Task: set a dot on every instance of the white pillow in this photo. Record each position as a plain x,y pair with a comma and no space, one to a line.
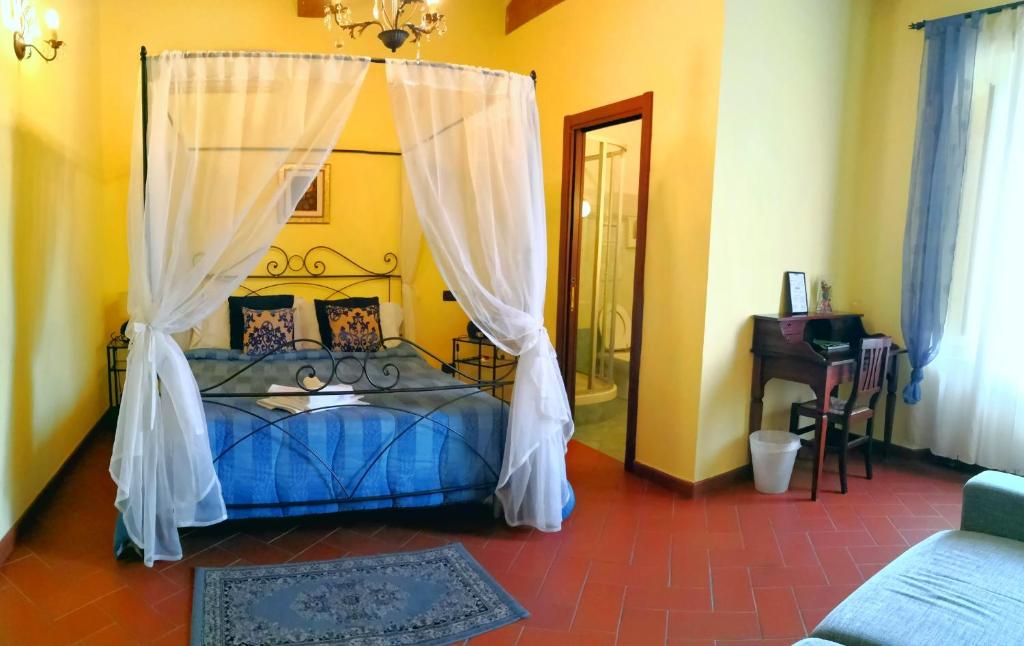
214,331
306,326
391,318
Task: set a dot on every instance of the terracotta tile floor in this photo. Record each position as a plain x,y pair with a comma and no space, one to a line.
635,564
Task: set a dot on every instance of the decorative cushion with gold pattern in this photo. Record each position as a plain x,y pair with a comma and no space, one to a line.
267,331
350,324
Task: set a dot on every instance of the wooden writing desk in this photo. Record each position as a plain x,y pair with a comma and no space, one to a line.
782,350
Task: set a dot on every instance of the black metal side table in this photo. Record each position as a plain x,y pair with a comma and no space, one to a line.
482,359
117,367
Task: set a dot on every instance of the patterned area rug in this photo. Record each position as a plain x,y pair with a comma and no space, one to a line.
435,596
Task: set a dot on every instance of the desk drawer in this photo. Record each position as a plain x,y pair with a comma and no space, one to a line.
793,330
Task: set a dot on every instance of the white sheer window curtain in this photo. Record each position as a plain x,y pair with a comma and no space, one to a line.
975,412
471,147
221,129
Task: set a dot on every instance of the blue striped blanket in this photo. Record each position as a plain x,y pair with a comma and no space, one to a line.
396,450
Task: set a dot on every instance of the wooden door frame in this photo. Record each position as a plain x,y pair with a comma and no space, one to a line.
640,108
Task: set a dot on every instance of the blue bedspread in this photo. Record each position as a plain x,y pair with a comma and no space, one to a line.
399,450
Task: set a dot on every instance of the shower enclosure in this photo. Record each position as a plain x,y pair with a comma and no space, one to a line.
600,327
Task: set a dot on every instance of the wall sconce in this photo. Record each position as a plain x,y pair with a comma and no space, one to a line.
20,17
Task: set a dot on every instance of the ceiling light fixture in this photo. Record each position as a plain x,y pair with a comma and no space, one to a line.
390,17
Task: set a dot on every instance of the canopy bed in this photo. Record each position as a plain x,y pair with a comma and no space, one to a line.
195,443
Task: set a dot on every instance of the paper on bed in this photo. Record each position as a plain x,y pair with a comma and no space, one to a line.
297,400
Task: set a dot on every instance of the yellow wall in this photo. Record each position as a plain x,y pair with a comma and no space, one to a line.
366,212
365,202
785,97
875,206
52,267
589,53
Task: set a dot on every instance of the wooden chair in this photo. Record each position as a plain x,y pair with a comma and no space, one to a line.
869,376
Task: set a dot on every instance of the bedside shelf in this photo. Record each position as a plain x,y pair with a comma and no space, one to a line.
486,363
117,368
483,360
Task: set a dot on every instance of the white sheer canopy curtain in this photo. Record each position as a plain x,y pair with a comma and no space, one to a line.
471,146
410,241
976,411
221,128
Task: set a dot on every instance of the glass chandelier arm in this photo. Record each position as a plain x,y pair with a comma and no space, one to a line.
405,3
356,29
417,31
391,21
402,6
336,13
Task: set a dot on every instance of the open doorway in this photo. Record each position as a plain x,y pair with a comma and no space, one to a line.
606,166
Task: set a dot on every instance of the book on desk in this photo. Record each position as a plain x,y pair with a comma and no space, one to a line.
828,346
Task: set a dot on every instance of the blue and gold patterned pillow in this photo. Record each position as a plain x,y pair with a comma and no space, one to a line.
350,324
235,304
267,331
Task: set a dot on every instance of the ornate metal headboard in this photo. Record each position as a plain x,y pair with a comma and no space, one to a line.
321,267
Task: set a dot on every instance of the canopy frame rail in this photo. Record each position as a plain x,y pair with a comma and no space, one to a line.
144,79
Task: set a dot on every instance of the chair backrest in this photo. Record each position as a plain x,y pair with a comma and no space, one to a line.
870,372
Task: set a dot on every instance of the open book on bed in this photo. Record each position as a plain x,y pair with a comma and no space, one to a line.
297,400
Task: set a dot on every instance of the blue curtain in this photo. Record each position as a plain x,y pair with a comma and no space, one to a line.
936,183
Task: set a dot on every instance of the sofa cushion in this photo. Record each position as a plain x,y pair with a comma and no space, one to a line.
955,587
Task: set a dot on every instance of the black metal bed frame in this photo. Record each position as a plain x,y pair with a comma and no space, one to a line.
311,269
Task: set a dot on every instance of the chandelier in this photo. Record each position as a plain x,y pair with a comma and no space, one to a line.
391,17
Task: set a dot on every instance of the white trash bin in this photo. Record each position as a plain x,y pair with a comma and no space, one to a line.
773,454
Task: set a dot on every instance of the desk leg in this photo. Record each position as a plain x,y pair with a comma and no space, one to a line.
891,383
821,424
820,441
756,396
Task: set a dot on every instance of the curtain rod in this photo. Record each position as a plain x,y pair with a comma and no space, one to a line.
375,60
996,9
350,151
143,56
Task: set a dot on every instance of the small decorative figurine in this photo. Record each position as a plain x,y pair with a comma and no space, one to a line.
824,297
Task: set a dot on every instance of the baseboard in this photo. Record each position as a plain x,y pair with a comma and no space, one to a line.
723,480
689,489
925,456
658,477
901,452
7,543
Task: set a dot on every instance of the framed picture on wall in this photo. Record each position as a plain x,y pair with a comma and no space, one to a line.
314,204
796,292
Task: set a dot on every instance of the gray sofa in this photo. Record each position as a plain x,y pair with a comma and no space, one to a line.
957,587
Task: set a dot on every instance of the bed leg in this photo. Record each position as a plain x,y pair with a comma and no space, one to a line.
496,508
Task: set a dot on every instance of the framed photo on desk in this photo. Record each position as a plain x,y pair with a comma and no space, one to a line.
796,293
